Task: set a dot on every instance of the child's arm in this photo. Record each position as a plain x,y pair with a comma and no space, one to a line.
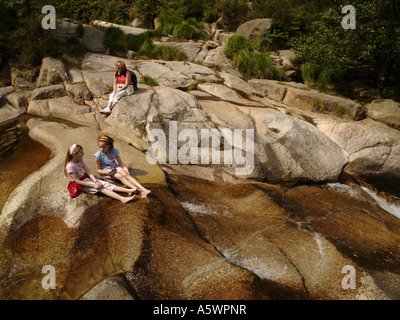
91,176
121,164
80,182
98,167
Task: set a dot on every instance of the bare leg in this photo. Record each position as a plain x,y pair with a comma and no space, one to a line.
136,183
131,182
128,191
116,196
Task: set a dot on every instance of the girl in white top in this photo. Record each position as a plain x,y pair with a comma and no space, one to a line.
75,169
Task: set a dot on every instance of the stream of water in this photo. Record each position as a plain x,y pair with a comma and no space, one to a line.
391,208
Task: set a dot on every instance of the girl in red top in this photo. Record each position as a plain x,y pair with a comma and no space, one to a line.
123,85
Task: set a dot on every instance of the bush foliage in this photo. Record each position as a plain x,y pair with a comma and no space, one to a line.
252,63
328,54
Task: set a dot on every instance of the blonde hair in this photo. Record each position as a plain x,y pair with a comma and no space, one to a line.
121,65
70,155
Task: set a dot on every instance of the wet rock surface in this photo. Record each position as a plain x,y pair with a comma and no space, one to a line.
205,232
20,156
298,240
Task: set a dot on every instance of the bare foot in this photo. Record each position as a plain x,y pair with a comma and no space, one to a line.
145,191
133,191
127,199
143,194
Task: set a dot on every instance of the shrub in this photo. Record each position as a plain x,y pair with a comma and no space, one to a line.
149,81
30,54
75,47
316,74
310,72
146,48
329,76
210,15
193,22
79,31
8,19
279,74
320,106
168,53
254,65
135,41
168,21
156,33
234,13
187,31
114,40
235,44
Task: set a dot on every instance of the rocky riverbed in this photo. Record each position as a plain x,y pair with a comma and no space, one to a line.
305,223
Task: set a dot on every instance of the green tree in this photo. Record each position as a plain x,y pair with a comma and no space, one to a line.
374,45
233,12
148,11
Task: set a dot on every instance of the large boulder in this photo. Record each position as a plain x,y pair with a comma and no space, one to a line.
301,96
312,100
64,108
257,28
287,57
216,58
290,150
98,72
129,118
225,114
79,92
385,110
49,92
125,29
227,94
8,112
164,75
52,71
92,37
194,71
18,100
373,149
283,148
113,288
240,85
23,79
190,49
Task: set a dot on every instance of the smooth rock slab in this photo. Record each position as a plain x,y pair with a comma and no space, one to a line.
290,150
298,241
385,110
373,148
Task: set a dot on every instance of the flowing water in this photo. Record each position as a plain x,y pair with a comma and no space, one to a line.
391,208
